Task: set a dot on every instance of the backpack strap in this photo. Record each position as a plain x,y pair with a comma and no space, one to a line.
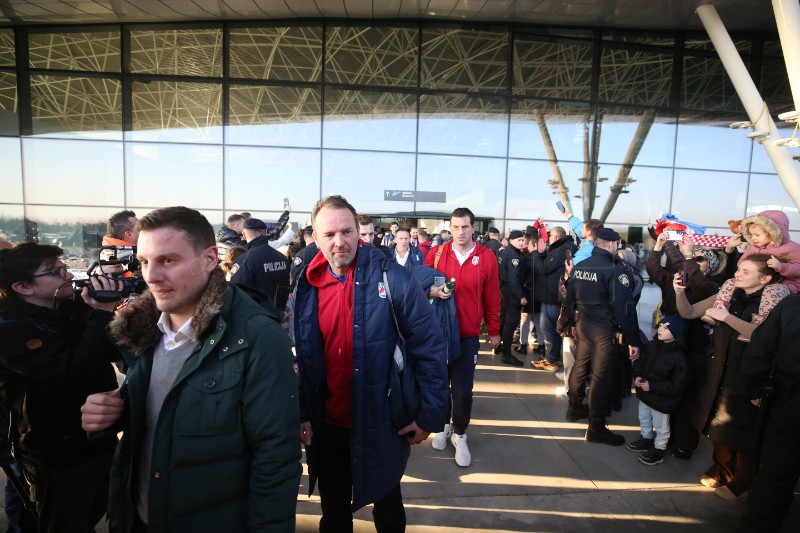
439,251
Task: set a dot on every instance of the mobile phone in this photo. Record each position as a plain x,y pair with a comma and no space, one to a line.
560,206
683,273
674,235
568,254
285,203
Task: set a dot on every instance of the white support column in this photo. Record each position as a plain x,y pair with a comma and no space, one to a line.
787,15
752,100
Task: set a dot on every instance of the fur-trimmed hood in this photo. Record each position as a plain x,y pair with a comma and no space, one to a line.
135,327
775,223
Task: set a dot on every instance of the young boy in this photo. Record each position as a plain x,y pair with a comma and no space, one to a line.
661,375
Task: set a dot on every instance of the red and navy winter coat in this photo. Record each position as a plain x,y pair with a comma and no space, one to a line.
378,454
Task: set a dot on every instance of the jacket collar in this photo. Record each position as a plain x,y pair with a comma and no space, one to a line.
135,326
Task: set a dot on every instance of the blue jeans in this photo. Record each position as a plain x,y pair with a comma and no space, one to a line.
547,331
654,425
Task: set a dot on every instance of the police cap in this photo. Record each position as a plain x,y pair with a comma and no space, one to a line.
254,224
607,234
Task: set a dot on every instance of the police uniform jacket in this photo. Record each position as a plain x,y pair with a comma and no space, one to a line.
265,269
494,245
601,291
549,267
301,261
511,267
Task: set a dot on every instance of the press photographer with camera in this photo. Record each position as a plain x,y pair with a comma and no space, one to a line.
55,352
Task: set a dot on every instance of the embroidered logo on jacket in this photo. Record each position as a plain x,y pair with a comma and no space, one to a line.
381,290
475,260
624,280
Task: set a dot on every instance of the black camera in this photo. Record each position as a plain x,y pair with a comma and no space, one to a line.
119,264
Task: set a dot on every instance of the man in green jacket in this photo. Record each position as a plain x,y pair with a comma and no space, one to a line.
209,407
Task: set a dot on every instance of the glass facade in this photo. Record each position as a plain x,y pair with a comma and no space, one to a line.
231,117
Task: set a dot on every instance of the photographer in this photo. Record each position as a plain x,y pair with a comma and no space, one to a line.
55,352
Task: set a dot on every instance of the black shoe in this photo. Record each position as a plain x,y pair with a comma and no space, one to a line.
652,457
540,349
600,434
641,445
522,348
678,453
576,411
511,360
499,349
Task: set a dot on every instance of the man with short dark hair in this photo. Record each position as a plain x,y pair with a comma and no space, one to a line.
263,267
346,337
366,232
121,229
600,291
585,232
231,233
209,408
389,237
493,242
477,294
403,253
54,353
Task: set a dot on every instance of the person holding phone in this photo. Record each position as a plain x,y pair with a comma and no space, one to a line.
550,265
585,232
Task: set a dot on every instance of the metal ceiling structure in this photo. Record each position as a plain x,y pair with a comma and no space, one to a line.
740,15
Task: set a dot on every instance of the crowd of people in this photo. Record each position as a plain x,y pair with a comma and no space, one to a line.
252,343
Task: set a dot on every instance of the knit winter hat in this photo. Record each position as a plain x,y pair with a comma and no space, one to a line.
676,325
711,257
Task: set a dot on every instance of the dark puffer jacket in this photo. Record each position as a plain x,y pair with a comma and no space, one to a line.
549,267
50,361
665,367
379,454
226,454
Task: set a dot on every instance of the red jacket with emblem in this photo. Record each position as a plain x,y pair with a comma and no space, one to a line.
477,290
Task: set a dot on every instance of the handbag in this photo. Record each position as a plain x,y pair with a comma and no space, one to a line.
402,391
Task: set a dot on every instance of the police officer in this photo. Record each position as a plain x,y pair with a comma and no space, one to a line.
304,256
493,241
600,291
511,266
263,267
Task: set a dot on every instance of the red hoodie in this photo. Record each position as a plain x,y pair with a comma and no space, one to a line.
477,290
335,313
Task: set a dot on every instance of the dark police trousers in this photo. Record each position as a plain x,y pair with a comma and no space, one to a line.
595,357
510,313
335,482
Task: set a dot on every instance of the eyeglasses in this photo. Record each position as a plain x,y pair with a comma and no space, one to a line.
61,272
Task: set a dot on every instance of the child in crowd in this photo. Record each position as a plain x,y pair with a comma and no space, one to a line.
661,376
767,233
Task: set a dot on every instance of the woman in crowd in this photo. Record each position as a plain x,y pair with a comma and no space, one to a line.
723,409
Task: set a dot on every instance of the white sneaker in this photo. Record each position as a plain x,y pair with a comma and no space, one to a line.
463,458
439,441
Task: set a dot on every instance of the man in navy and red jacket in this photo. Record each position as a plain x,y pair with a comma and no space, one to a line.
345,343
477,294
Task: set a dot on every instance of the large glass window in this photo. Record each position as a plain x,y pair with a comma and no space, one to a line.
160,175
362,178
64,106
176,112
12,223
372,56
177,52
633,76
534,187
761,161
274,116
7,52
550,130
9,119
640,136
474,182
706,141
464,60
463,124
258,179
767,193
630,196
11,176
77,230
73,172
709,198
370,120
276,53
707,86
553,69
94,50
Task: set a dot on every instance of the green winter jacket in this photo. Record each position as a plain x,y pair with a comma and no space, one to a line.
226,453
